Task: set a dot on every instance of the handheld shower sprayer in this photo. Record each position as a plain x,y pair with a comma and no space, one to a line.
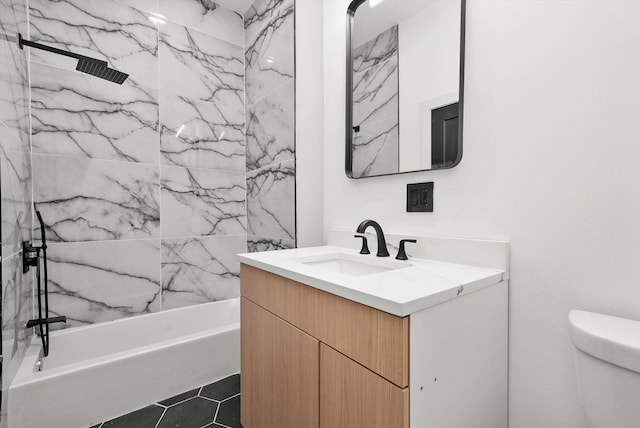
31,257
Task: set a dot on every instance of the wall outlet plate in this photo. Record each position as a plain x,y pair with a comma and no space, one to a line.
420,197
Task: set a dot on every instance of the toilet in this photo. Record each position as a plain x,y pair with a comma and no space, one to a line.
607,361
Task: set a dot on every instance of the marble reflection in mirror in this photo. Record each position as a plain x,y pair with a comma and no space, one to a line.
404,110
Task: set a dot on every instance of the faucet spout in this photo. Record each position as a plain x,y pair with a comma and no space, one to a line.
382,243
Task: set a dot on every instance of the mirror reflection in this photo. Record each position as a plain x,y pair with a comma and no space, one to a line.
404,112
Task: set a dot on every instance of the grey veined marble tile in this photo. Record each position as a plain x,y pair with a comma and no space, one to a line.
375,93
261,243
17,292
92,282
14,105
197,66
375,148
271,128
77,115
13,15
123,36
200,202
200,270
271,201
269,46
151,6
207,17
91,200
15,185
263,13
376,51
14,73
201,134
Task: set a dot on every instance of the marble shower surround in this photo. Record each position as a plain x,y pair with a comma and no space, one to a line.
209,135
78,115
201,202
190,265
15,191
270,121
114,32
115,279
141,185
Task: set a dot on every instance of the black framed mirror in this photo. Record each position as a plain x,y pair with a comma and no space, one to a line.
405,86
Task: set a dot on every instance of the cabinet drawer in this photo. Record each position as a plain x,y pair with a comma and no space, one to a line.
373,338
352,396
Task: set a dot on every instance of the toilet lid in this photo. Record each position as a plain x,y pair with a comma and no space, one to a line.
612,339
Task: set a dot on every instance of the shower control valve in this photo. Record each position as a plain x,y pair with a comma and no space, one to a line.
30,256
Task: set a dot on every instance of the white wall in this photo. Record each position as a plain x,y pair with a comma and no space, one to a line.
309,124
551,163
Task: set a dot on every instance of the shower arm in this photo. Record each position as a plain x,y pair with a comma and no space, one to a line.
23,42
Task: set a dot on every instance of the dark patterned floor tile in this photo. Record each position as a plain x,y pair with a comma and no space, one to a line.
223,389
229,413
146,417
180,397
193,413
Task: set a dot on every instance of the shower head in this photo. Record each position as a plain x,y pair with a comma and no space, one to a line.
92,66
99,69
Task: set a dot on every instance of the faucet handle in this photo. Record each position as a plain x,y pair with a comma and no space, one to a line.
365,248
402,255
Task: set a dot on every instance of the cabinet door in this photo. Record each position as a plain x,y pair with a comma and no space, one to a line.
279,374
352,396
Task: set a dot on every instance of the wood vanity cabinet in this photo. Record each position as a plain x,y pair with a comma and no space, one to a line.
313,359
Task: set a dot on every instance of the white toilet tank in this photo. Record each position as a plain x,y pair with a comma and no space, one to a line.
607,362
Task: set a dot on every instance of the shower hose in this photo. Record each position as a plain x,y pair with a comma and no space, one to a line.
34,260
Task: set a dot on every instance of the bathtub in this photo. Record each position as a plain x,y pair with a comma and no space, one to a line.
99,372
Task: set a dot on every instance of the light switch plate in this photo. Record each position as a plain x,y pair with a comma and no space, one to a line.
420,197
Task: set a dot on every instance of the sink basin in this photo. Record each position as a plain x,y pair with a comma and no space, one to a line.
351,264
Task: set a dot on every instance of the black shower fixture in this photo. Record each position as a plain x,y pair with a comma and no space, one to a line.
92,66
31,257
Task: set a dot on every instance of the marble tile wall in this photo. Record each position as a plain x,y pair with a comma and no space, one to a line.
149,189
142,186
15,189
375,105
270,124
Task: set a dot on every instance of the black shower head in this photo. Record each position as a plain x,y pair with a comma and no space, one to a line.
92,66
100,69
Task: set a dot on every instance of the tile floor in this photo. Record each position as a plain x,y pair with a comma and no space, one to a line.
216,405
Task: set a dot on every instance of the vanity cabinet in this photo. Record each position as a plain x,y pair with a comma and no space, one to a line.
313,359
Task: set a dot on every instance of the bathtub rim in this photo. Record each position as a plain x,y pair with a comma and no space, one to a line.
27,374
66,331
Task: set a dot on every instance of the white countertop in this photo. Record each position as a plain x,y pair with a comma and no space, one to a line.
420,285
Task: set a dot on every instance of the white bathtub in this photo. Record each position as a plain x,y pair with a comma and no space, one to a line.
96,373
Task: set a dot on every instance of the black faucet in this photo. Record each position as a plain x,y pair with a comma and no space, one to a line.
382,244
402,254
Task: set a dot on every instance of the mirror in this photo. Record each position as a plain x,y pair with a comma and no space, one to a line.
405,69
